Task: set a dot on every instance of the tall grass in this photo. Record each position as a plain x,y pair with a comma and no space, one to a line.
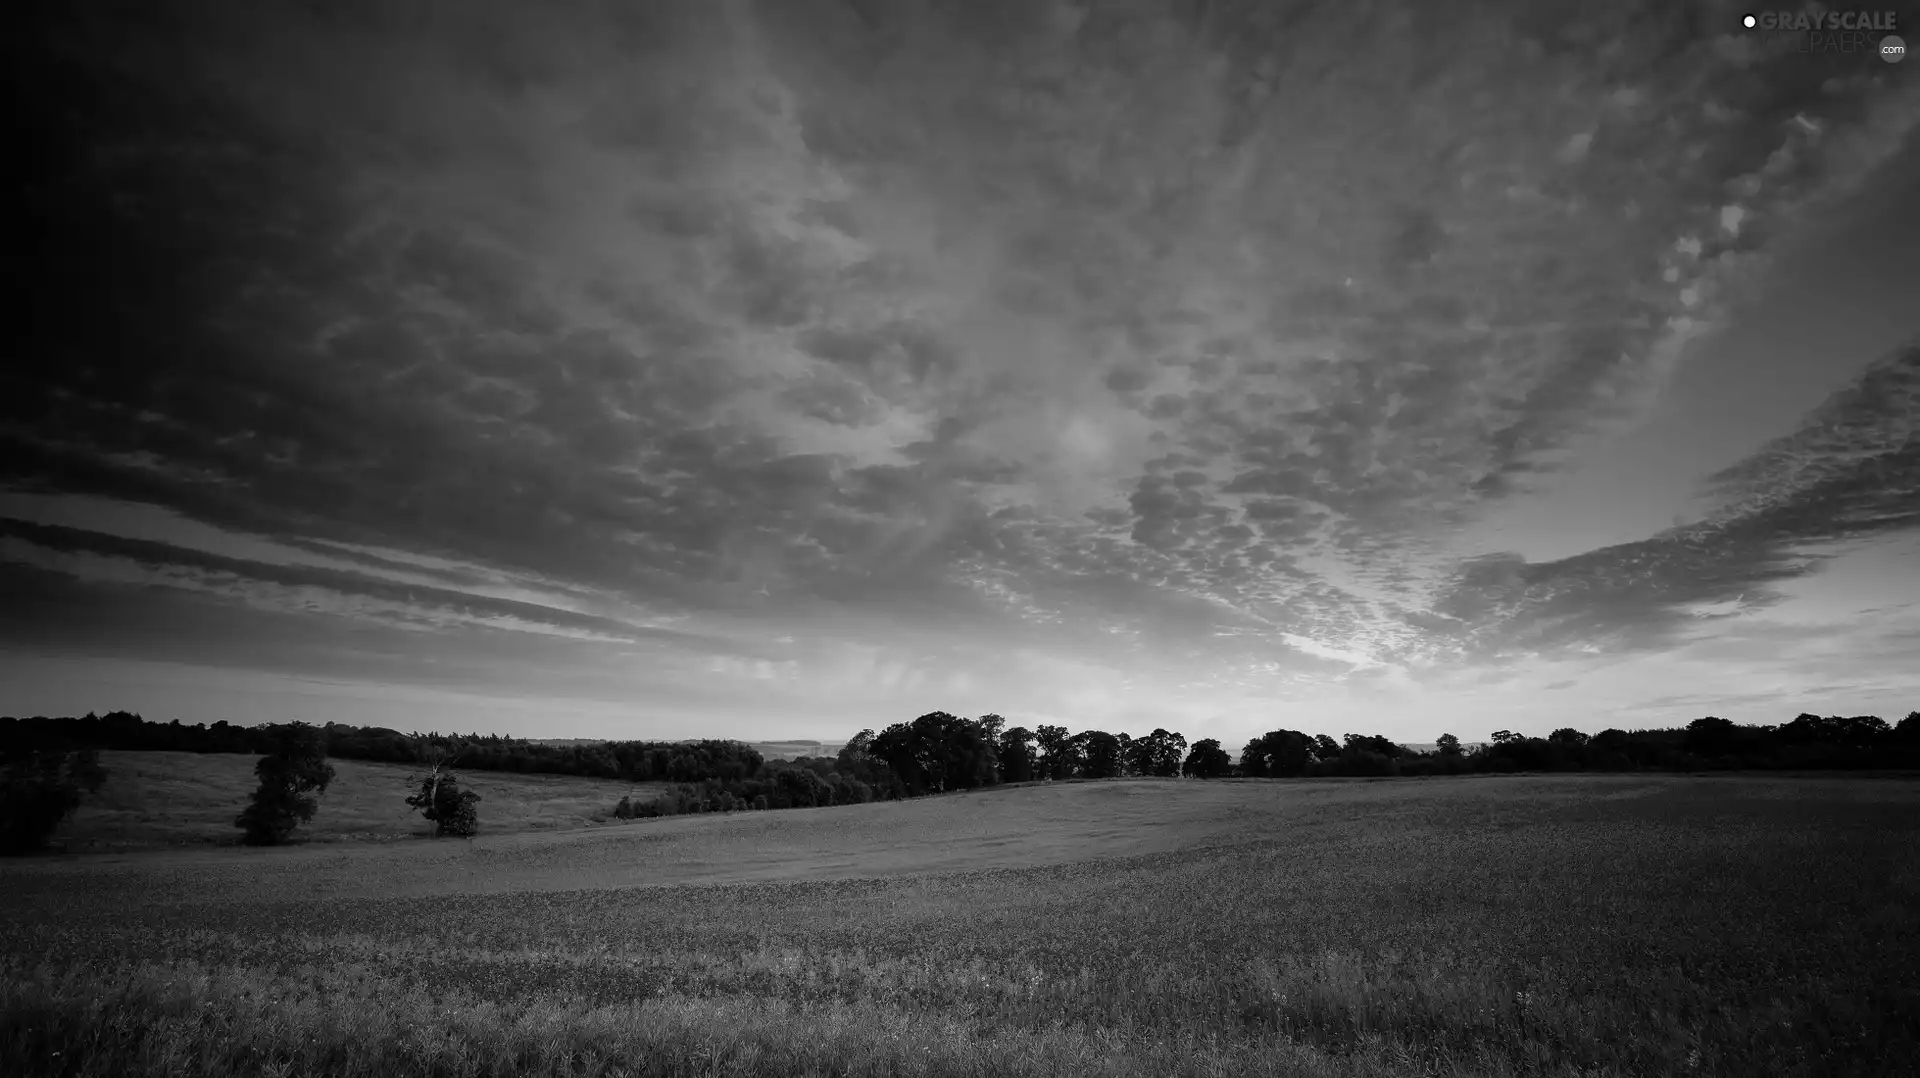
1693,931
188,1019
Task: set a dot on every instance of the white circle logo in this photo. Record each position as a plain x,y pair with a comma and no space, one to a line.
1892,49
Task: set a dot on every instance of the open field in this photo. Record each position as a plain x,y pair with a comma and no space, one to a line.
1566,925
155,799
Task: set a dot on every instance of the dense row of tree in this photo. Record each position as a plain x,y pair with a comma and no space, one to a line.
941,752
47,761
935,753
626,761
1809,742
1711,743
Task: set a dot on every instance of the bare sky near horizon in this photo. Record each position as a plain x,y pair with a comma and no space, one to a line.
774,370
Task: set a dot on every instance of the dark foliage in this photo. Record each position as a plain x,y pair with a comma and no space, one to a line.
1207,760
990,728
1279,752
1809,742
1374,743
1018,761
441,800
294,767
39,789
1099,754
940,752
627,761
857,763
1367,762
1158,753
451,809
1325,749
1059,756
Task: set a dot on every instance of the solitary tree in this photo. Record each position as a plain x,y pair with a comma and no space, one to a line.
295,765
1449,745
39,790
441,800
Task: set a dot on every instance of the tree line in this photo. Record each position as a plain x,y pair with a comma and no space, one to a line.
1808,742
940,752
626,761
937,753
43,781
47,764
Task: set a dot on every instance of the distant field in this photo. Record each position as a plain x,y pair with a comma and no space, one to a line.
183,798
769,750
1571,926
787,750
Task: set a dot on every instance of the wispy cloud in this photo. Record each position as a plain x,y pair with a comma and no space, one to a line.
1851,472
296,587
1167,347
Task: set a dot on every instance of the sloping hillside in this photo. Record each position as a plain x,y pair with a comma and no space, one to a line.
175,798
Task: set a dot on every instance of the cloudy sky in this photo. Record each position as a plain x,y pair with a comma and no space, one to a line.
721,368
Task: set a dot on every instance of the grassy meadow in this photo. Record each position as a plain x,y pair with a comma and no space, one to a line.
155,799
1576,925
